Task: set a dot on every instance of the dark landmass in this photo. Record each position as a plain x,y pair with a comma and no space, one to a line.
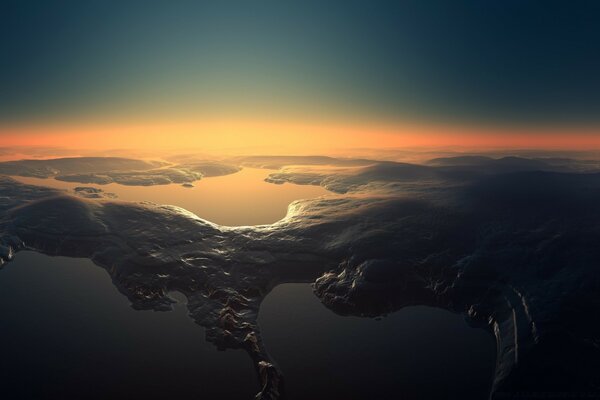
81,165
516,164
514,251
276,162
93,193
124,171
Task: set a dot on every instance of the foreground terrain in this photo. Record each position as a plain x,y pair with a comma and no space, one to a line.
511,243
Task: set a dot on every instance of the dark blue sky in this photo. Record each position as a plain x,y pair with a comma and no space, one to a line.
499,61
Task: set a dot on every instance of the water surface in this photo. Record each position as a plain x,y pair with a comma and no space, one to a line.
417,353
67,333
243,198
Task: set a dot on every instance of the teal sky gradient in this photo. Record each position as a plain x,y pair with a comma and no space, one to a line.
495,61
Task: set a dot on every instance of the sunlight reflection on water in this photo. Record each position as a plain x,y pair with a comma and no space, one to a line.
243,198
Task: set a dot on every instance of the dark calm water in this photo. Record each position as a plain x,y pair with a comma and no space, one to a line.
67,333
418,353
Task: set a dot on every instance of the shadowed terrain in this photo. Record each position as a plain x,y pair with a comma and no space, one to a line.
510,243
124,171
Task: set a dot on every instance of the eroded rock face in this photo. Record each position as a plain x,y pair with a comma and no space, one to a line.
517,252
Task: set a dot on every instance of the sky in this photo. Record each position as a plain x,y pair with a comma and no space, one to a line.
300,76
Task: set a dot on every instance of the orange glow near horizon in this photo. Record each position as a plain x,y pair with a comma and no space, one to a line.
246,136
